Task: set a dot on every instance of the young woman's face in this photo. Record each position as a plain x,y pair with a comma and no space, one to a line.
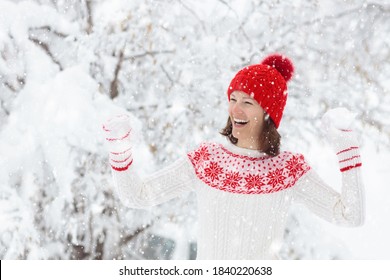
247,118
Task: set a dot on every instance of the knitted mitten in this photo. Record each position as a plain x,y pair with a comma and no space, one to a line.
118,135
336,124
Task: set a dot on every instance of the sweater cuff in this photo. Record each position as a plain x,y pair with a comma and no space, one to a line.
121,161
349,158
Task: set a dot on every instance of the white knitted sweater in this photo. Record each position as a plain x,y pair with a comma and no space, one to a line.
244,196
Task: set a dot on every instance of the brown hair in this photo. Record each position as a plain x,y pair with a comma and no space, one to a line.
269,138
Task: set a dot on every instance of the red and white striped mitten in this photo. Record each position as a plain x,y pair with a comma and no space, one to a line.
337,124
118,136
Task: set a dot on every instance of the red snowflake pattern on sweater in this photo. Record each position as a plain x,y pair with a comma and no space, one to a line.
222,169
294,165
201,154
232,179
276,177
254,181
213,171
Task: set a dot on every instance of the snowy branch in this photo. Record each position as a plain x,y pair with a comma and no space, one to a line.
128,238
194,14
114,84
33,36
89,16
46,48
147,53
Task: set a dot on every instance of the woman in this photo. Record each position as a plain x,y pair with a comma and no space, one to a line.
246,186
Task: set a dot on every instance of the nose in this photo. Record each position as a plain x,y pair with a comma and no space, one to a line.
237,108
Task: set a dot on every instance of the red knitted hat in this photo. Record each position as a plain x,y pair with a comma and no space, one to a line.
266,83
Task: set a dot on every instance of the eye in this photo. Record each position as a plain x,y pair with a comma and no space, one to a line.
233,99
249,103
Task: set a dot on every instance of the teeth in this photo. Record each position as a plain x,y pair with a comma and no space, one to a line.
240,121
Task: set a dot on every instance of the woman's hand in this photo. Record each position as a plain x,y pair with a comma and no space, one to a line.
118,133
337,127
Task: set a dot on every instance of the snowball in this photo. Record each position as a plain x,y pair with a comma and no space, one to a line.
340,118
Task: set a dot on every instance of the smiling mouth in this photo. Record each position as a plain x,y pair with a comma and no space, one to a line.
239,122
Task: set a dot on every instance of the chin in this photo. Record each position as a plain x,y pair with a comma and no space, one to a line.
235,135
